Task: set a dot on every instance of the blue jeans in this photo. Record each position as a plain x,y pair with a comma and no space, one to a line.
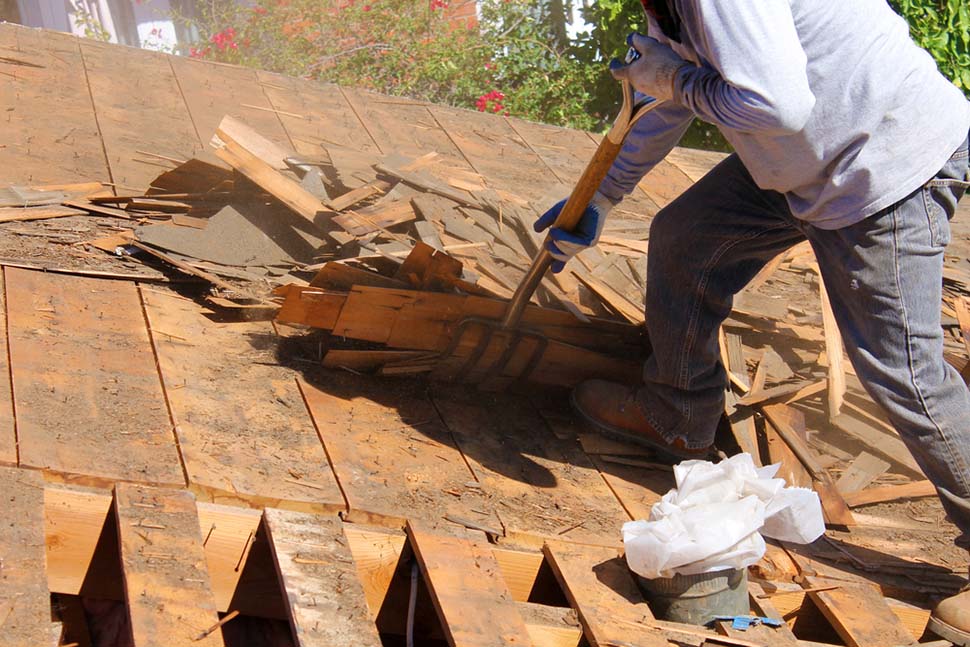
884,279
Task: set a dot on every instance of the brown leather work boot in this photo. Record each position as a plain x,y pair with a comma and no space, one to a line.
951,619
613,408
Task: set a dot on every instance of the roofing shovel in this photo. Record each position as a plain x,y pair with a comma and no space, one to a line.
485,351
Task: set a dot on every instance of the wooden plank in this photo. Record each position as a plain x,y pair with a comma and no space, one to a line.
42,79
37,213
75,520
167,587
763,606
377,555
779,451
361,193
834,351
548,488
412,320
287,191
859,614
462,574
877,441
25,603
86,390
600,587
868,496
613,299
325,115
326,601
9,452
833,505
421,320
786,393
393,458
185,267
865,469
213,92
252,441
962,307
139,107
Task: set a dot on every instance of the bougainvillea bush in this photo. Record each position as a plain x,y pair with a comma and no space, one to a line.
500,61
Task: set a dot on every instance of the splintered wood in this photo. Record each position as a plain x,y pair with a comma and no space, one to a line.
25,604
86,390
167,585
326,600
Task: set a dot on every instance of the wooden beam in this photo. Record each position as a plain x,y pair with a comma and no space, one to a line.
859,614
600,587
834,352
865,469
915,490
248,162
326,601
167,586
876,440
25,604
463,574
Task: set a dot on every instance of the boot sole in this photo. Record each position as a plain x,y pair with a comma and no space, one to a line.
662,452
948,632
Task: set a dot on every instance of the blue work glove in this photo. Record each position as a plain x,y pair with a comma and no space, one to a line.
563,245
652,72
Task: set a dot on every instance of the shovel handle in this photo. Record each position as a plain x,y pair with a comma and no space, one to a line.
582,193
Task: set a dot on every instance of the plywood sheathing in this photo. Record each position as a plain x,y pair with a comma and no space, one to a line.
87,394
260,449
139,107
42,74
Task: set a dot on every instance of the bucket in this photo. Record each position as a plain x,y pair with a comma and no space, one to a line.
698,599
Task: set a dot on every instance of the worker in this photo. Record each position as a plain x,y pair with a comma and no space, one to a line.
846,135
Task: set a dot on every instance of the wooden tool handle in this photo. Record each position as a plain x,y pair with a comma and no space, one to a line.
589,182
583,192
569,217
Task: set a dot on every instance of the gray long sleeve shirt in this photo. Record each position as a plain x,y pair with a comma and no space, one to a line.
826,101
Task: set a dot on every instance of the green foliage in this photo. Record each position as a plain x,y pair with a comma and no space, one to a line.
506,63
519,58
942,27
89,23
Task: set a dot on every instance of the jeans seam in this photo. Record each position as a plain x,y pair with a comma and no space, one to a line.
928,206
683,381
909,357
